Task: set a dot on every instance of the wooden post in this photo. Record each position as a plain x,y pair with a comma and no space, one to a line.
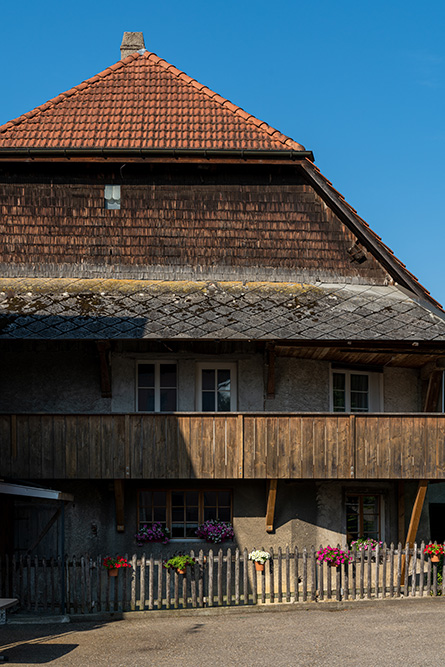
415,518
401,511
120,505
433,390
271,500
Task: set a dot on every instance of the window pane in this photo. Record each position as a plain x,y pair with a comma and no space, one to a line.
146,400
208,379
159,498
359,383
146,375
145,515
224,513
177,514
159,514
168,400
192,497
190,530
191,514
210,513
224,379
359,402
168,375
223,401
209,498
178,498
339,392
208,401
177,530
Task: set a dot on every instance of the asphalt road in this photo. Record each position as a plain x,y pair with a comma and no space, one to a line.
385,633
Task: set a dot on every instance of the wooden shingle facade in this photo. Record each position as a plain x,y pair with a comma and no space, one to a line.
193,322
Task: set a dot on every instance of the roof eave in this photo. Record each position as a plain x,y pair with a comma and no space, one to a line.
147,153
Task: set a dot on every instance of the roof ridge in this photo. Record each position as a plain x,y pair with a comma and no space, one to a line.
288,142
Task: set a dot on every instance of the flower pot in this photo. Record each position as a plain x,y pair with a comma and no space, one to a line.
435,559
112,572
259,567
180,571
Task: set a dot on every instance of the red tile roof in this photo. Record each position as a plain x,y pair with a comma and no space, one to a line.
141,102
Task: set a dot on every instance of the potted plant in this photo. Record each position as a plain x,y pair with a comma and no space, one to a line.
333,556
155,532
435,551
215,531
367,545
259,558
179,563
113,565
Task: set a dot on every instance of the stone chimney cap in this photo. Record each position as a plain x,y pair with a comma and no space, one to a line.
131,43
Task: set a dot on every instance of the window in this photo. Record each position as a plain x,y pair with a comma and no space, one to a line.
363,516
183,510
156,387
112,196
216,387
354,391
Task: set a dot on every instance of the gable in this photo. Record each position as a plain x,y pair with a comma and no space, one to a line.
259,223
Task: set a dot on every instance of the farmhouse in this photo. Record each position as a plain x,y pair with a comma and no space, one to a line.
195,324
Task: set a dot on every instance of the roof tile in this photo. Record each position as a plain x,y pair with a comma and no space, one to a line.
141,102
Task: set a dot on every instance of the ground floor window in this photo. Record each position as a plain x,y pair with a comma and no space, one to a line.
183,510
363,516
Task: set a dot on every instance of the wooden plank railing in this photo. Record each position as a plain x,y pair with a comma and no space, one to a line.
218,579
223,446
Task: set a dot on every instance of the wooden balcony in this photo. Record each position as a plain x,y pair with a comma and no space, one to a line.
224,445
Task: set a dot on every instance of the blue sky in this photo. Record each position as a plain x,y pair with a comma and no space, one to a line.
359,83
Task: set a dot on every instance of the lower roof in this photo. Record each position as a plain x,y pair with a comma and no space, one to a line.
60,308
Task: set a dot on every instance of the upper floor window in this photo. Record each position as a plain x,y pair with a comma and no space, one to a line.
156,387
216,387
354,391
112,196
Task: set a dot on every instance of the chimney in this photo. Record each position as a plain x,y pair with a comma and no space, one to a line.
132,42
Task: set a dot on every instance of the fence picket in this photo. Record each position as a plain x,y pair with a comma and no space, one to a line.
245,578
280,575
201,578
210,597
391,571
414,571
270,567
229,577
362,574
237,577
384,568
296,576
287,557
320,579
219,579
399,569
313,573
422,569
304,574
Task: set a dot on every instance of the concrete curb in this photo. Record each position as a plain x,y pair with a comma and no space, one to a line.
331,606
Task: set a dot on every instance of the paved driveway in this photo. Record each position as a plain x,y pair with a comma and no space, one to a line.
385,633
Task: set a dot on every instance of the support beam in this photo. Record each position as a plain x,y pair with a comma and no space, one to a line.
120,504
271,500
433,391
415,517
271,370
104,347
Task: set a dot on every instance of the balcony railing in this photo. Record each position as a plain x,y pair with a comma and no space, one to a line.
224,445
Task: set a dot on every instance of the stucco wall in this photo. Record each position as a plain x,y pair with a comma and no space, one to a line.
45,377
306,514
401,390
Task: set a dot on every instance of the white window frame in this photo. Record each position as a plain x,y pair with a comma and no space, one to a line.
232,366
157,387
375,390
112,197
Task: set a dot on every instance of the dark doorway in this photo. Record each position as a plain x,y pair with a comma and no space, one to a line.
437,522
